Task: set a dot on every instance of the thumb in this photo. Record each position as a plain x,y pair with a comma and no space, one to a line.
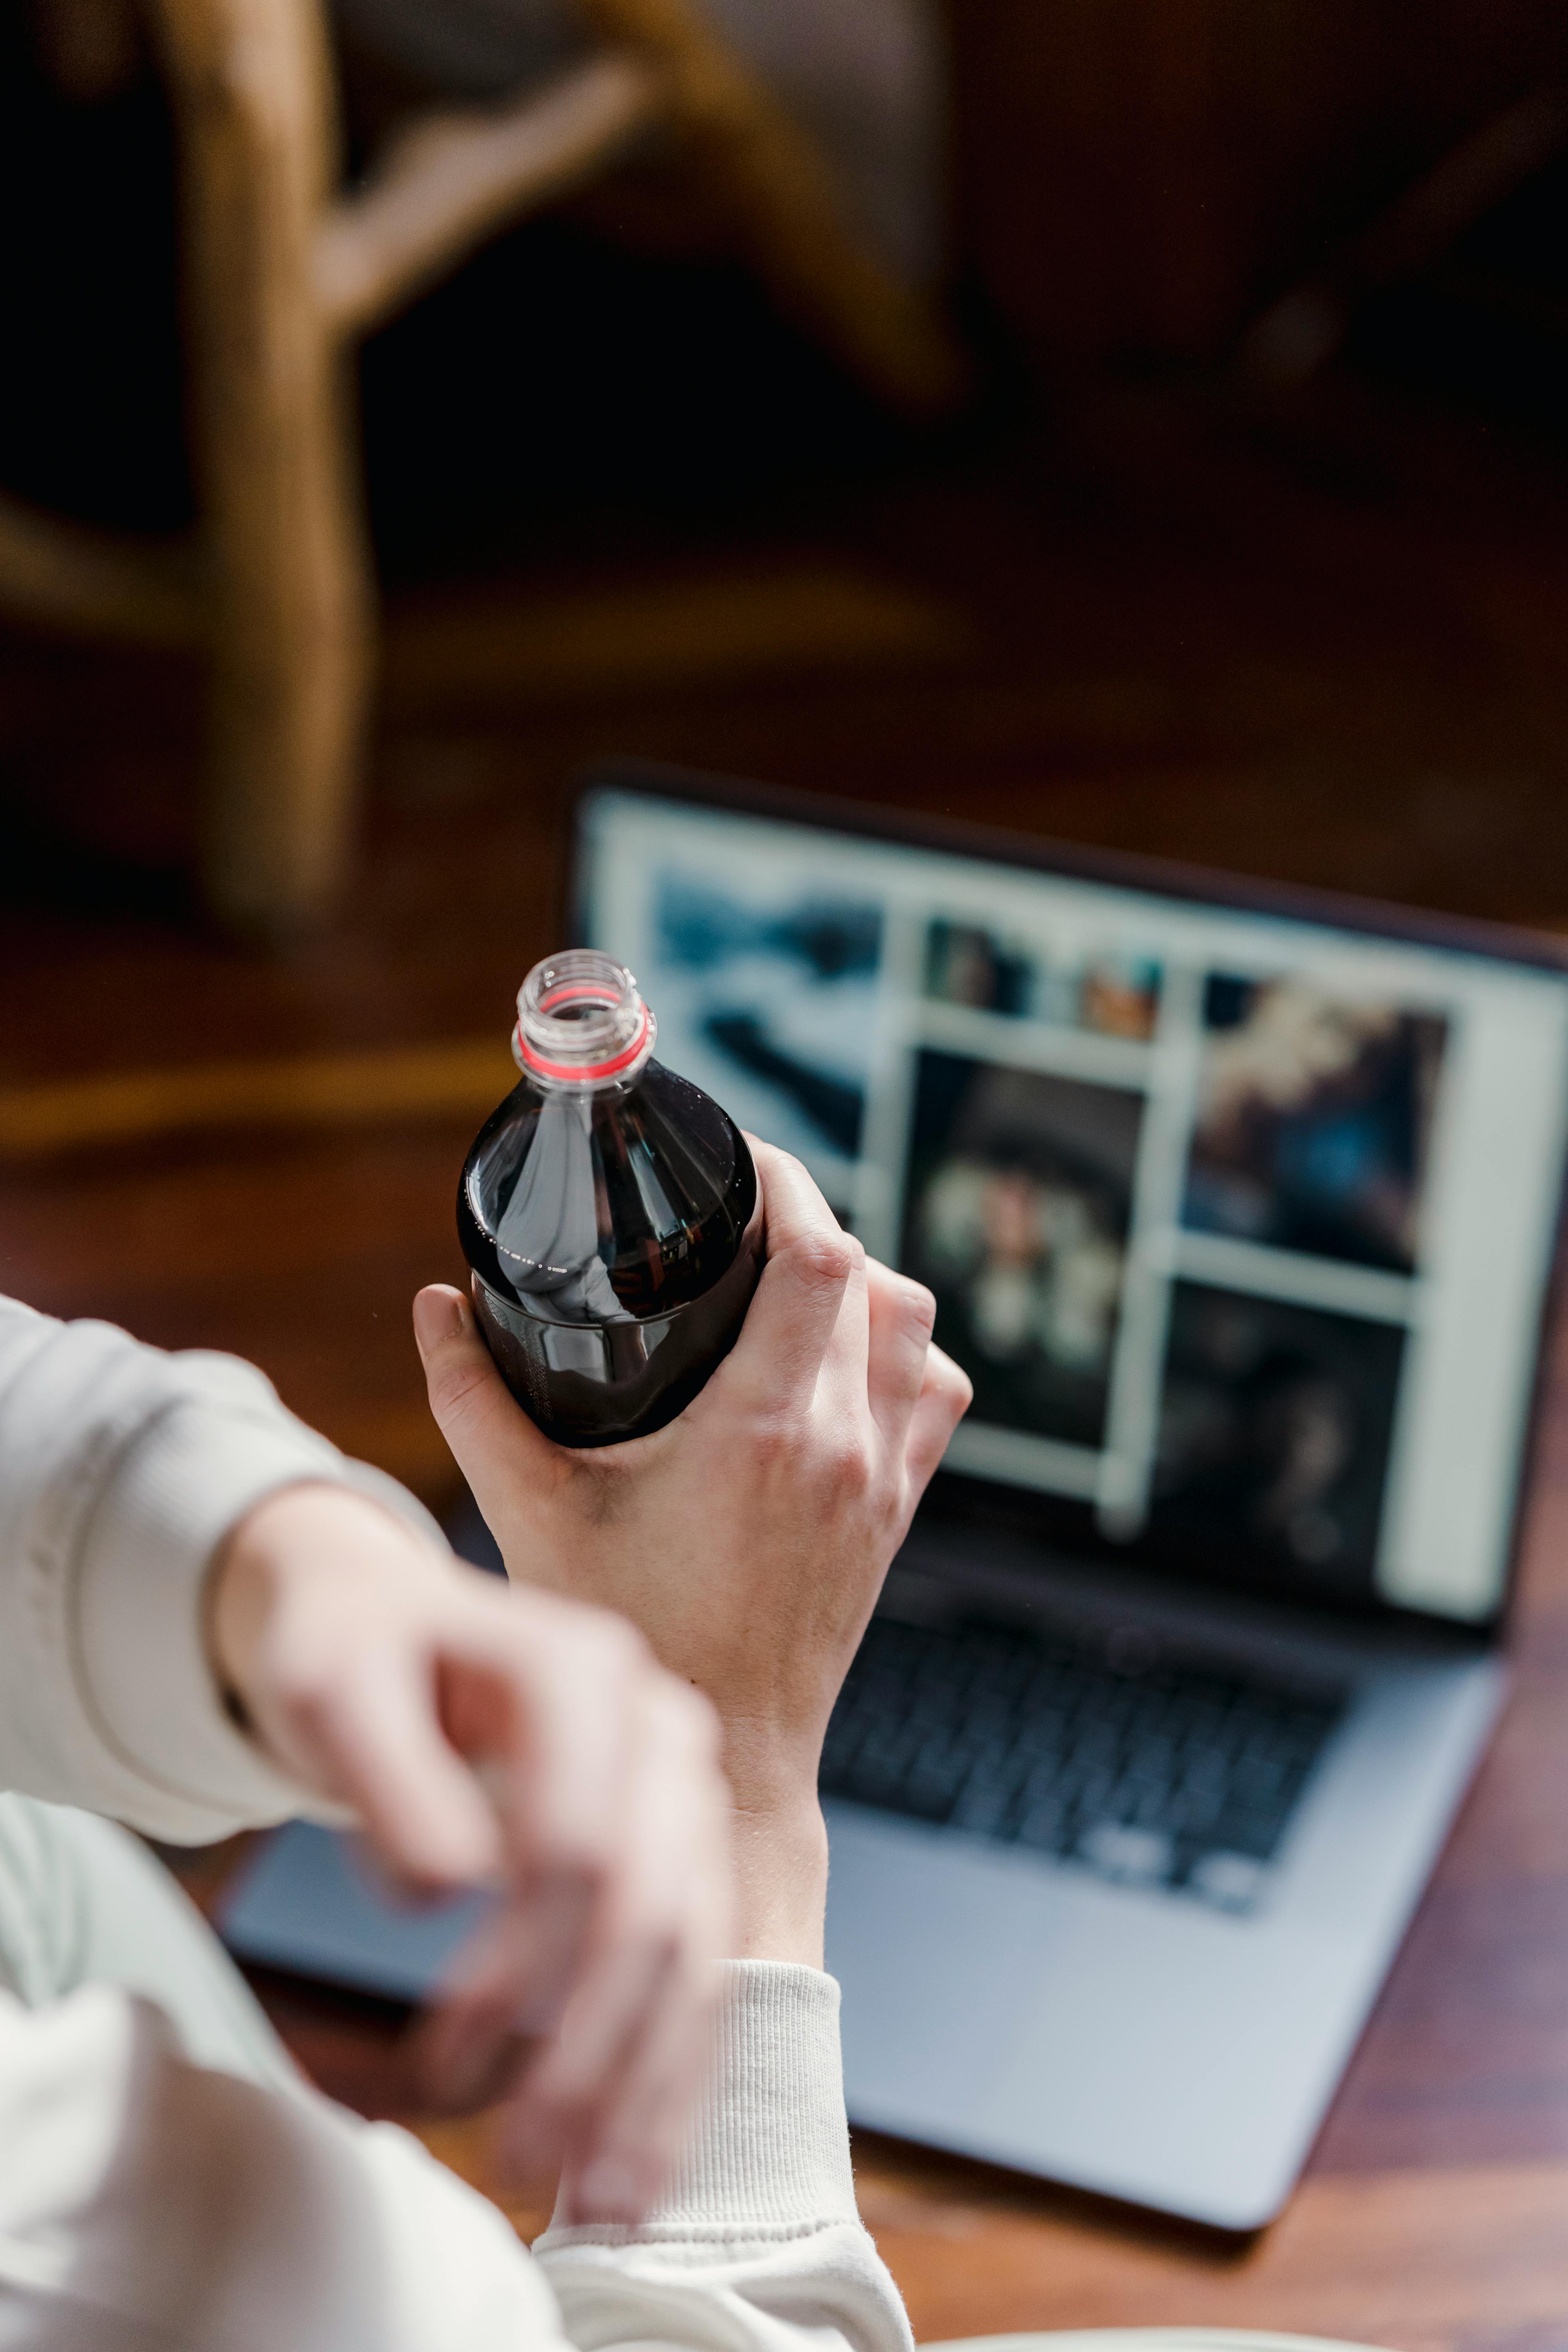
492,1440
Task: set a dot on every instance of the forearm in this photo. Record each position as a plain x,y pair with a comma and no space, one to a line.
121,1470
146,2200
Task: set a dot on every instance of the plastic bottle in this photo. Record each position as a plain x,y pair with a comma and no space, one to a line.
609,1212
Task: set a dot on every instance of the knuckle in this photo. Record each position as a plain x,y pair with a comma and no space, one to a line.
947,1380
823,1260
851,1466
778,1441
888,1488
920,1309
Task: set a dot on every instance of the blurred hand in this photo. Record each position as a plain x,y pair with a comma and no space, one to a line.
748,1540
487,1734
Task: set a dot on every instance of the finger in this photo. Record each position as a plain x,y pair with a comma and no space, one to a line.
609,2096
493,1441
448,2078
376,1742
901,1315
648,2107
946,1394
558,2114
550,1715
518,1969
501,1996
646,1987
790,1322
663,2077
549,1707
843,1372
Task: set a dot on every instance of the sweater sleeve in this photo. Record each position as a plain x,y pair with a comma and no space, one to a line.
121,1469
141,2193
757,2244
145,2199
148,2202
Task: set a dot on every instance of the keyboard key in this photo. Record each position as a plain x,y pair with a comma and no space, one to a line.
1043,1824
1137,1857
1231,1880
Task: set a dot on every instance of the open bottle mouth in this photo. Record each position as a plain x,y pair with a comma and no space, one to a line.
581,1023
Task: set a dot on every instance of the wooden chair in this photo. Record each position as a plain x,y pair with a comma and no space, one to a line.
284,268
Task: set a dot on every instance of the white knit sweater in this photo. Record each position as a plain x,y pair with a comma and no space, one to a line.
147,2201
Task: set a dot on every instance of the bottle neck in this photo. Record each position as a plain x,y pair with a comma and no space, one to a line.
582,1025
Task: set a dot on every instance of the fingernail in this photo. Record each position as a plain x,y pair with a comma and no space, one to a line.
437,1318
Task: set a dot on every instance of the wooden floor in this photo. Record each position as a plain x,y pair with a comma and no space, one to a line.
1329,644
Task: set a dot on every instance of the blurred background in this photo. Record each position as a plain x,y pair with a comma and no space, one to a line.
1136,421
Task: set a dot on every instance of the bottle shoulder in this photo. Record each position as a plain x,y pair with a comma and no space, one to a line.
590,1208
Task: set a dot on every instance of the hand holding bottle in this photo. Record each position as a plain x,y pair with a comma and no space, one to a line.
748,1540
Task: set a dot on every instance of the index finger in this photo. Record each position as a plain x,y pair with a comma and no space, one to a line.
810,1259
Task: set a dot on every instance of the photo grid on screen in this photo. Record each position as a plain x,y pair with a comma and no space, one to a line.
1169,1181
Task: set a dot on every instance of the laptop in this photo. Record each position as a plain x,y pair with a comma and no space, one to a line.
1240,1207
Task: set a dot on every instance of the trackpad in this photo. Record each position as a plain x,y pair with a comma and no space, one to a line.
940,1967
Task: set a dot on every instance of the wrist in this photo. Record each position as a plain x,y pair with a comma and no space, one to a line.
780,1854
241,1593
295,1539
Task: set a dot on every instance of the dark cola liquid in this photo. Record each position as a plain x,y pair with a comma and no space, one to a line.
615,1243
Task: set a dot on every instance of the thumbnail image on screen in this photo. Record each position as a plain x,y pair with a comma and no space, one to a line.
1313,1120
1275,1426
774,990
1017,1207
1116,995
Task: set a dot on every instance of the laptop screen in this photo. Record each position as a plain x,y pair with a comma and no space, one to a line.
1241,1223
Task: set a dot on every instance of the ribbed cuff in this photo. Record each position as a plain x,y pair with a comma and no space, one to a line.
769,2153
139,1621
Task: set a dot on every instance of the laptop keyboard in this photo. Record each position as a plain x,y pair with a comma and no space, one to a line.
1148,1770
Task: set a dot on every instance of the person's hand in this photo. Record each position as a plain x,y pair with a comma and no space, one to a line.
502,1736
749,1538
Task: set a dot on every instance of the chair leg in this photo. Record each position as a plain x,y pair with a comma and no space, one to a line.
294,601
782,198
292,662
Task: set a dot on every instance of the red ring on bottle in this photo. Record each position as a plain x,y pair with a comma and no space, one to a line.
571,991
584,1073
